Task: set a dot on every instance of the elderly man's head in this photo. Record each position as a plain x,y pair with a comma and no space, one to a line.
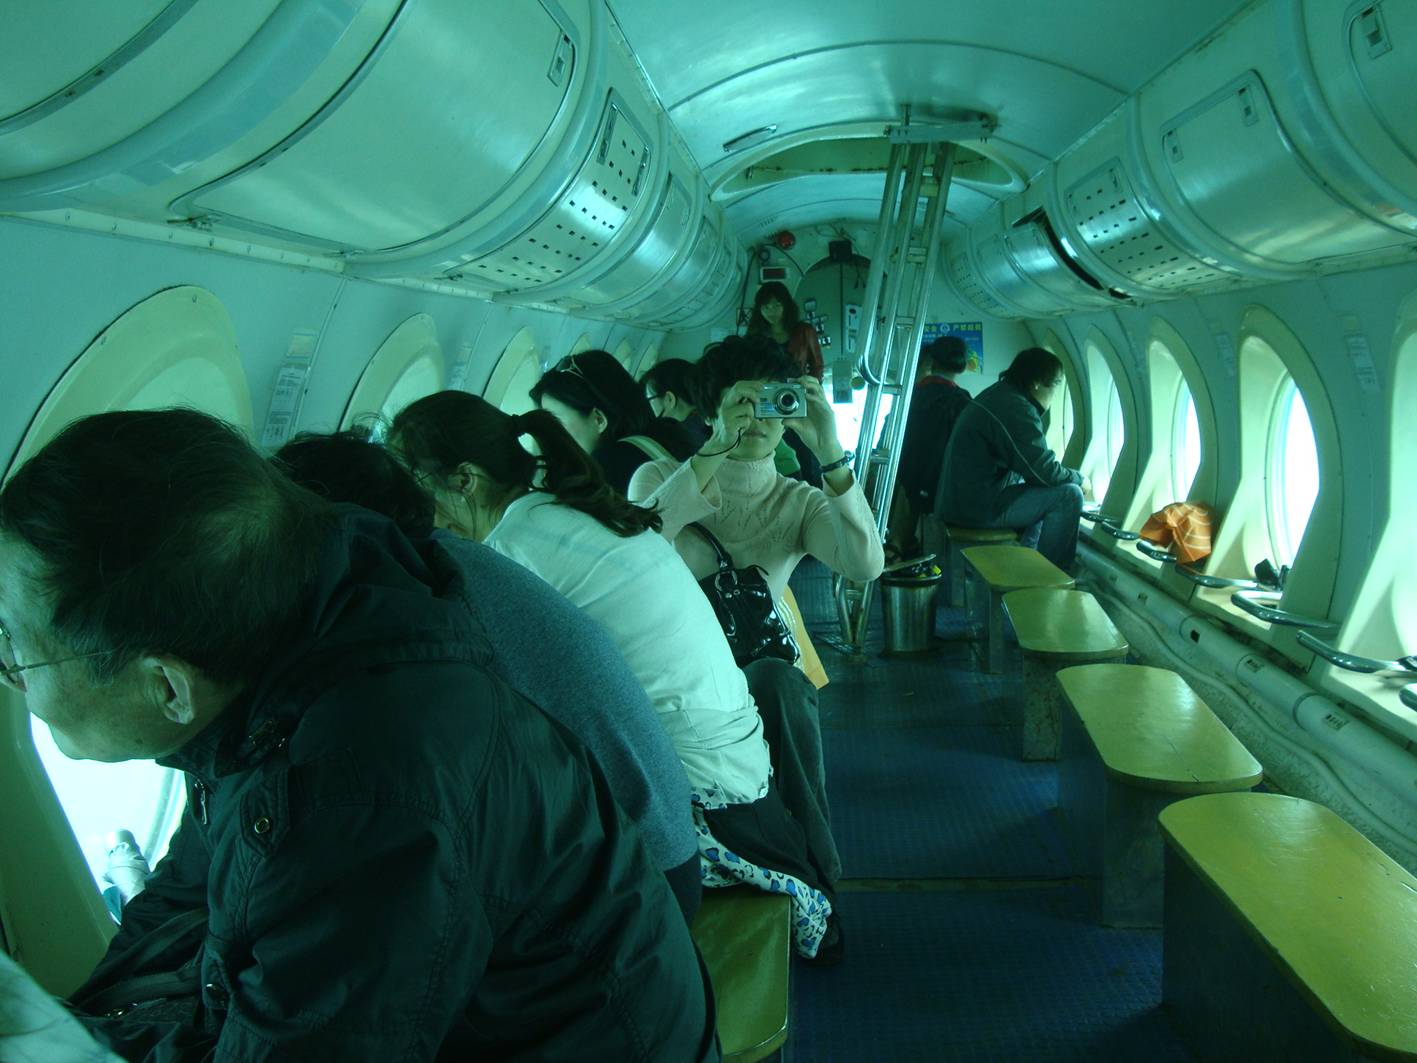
150,565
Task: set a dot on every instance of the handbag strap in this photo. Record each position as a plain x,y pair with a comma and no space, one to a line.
725,562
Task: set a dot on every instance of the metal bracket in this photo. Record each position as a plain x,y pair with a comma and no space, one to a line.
1262,605
1352,662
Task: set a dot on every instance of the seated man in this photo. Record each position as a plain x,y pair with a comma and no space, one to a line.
388,853
546,649
999,471
934,407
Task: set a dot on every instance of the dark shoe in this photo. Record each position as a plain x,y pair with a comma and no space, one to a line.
833,947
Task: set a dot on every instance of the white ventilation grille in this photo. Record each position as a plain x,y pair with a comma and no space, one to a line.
583,222
1114,226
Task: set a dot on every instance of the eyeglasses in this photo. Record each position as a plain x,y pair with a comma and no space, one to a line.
10,670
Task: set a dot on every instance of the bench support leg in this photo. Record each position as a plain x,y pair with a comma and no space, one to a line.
1223,994
956,572
994,634
1042,710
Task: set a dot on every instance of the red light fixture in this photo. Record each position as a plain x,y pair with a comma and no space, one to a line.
785,240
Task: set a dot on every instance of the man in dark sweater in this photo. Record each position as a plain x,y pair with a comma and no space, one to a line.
387,854
934,408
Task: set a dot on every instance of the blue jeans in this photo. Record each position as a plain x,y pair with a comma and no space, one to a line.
1046,517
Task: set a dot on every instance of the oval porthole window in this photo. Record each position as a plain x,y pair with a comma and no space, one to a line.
176,348
516,371
1293,472
625,355
1185,443
407,366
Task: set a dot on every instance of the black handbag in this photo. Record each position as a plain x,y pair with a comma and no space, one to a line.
744,605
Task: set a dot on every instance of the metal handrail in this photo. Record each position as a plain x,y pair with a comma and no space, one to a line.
1118,533
1094,515
1254,603
1156,553
1408,694
1352,662
1206,580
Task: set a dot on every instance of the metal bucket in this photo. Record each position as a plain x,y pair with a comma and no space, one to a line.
909,608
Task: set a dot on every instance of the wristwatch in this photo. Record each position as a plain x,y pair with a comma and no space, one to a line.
840,462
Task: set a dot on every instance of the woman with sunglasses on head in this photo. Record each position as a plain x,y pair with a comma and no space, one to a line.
599,403
555,514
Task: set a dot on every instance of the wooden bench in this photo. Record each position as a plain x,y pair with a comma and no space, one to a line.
1288,936
1136,740
949,541
1003,569
745,938
1056,628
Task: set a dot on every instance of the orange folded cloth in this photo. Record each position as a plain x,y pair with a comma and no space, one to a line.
1186,527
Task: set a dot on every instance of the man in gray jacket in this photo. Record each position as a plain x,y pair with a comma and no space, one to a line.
999,471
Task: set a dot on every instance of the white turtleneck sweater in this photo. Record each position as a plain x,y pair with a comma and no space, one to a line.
761,518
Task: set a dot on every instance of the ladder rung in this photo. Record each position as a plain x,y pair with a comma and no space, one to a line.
916,254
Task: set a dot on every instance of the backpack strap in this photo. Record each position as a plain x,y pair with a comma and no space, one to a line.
647,446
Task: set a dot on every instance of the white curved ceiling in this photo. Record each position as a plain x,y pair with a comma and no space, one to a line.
1049,70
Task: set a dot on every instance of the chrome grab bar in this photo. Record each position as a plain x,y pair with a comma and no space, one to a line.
1262,604
1118,533
1156,553
1094,513
1408,694
1196,576
1352,662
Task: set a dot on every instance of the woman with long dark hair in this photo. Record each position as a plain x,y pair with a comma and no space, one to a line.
999,471
775,315
599,403
555,514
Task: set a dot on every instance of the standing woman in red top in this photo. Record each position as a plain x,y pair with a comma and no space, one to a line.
775,315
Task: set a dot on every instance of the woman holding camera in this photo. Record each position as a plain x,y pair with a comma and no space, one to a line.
764,519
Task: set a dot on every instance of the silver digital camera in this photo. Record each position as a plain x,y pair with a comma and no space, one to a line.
778,399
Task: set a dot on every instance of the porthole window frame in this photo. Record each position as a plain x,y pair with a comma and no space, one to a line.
412,346
504,386
57,903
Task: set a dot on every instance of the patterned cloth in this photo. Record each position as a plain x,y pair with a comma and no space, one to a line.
1186,527
722,867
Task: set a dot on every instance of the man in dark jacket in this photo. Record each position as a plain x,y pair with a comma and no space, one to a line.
935,406
999,471
388,854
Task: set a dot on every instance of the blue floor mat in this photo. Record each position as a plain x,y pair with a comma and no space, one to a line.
942,802
982,976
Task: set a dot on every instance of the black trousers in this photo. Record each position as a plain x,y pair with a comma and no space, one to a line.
787,703
765,834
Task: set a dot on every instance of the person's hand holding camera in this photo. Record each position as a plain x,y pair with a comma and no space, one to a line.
818,428
735,415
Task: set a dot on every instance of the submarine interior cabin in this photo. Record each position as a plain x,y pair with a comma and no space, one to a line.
1163,808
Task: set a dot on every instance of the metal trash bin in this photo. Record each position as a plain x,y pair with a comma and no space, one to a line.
908,597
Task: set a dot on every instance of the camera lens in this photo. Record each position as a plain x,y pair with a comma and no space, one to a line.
787,400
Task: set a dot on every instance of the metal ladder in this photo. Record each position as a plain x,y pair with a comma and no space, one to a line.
897,294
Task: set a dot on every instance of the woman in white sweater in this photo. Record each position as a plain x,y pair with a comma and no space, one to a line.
762,518
556,515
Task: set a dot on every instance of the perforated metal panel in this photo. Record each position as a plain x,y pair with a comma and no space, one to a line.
968,284
666,235
586,218
1108,216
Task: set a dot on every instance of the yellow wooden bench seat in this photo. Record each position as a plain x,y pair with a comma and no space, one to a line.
1055,628
1002,569
1289,935
1135,740
949,540
744,936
